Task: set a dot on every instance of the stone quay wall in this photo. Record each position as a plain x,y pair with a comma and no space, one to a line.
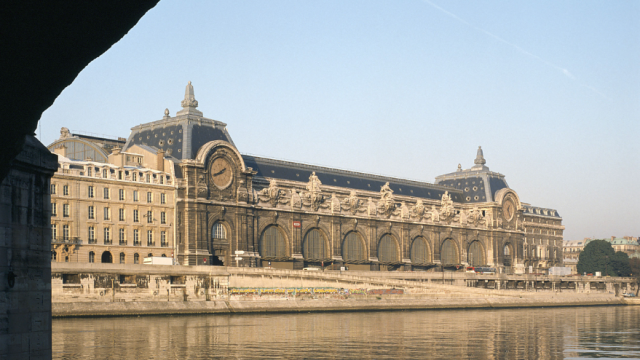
115,289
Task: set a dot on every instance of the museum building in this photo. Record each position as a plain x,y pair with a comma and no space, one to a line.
240,210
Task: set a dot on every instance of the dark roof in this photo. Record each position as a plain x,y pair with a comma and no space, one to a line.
284,170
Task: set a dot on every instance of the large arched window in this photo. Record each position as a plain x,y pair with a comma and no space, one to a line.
449,253
107,258
218,232
272,243
387,249
420,253
475,255
314,246
353,248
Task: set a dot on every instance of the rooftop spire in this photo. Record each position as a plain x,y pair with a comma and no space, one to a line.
189,104
479,161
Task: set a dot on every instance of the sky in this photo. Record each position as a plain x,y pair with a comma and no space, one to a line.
408,88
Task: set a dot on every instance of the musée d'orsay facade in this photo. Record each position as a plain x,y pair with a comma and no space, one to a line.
228,208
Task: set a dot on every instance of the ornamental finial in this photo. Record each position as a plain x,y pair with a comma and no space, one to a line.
189,97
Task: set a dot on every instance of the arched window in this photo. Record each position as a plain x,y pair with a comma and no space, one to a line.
92,257
54,256
150,255
507,250
272,243
353,248
387,249
136,258
420,253
218,232
121,258
163,255
107,258
314,246
475,255
449,253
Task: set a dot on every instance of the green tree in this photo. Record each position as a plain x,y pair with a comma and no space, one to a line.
599,255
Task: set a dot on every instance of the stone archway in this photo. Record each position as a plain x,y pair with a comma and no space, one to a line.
107,258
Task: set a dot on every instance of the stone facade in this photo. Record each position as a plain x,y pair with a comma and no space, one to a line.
240,210
25,293
116,212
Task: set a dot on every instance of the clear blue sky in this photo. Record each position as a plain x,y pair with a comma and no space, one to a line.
550,89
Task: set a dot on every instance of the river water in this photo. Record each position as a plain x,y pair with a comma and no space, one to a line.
556,333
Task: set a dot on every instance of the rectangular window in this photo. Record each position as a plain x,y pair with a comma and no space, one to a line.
65,190
136,237
163,238
65,210
104,173
150,238
135,216
148,178
161,179
149,197
90,192
121,194
163,198
119,175
106,193
149,217
121,214
90,212
89,171
53,189
121,236
54,231
107,213
163,218
107,235
54,209
134,176
91,234
135,195
65,232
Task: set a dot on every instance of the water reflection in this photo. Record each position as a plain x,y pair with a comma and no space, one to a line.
482,334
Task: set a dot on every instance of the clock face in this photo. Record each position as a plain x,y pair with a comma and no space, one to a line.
508,209
221,172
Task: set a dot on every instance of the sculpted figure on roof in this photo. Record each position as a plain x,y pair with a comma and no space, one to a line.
314,183
272,194
352,203
386,205
447,211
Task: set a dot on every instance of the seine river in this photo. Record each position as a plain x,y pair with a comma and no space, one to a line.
560,333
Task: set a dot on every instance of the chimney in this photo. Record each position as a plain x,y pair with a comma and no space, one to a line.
62,150
160,161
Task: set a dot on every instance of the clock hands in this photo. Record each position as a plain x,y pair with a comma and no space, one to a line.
220,172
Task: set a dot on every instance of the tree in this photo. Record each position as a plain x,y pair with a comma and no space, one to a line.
599,255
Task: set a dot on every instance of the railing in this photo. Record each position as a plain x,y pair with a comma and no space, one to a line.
151,243
62,240
136,243
92,241
108,242
164,244
123,242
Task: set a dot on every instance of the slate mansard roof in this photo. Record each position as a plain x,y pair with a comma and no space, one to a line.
180,136
285,170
